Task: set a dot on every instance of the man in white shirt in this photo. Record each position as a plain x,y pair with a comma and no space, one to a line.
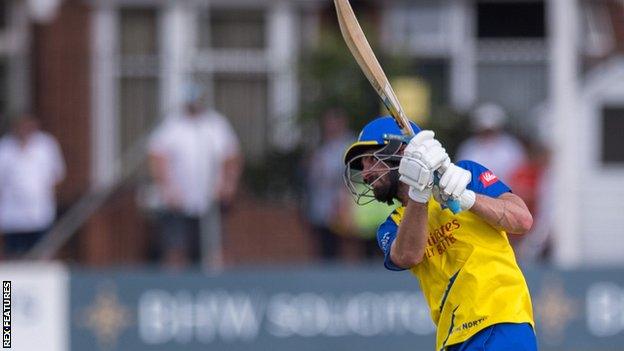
491,146
196,163
31,166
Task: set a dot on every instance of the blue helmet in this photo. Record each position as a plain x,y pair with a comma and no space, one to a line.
375,133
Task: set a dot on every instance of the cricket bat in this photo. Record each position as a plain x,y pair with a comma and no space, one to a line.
366,59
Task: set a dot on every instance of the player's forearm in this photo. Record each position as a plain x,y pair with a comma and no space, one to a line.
507,212
409,246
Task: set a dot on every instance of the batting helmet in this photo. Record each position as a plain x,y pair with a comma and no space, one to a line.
378,132
381,139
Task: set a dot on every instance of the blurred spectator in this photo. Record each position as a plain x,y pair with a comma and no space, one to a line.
195,162
490,145
324,187
31,165
530,181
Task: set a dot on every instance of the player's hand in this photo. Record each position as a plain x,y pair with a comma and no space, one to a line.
454,180
422,156
414,172
418,176
466,199
453,184
427,149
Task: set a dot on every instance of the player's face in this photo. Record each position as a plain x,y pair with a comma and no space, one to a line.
376,173
373,169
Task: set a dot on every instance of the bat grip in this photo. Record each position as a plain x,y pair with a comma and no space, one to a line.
452,203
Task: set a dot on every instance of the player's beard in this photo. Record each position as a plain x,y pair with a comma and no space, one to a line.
388,190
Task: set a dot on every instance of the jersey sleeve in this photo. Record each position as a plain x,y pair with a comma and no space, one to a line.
386,233
484,181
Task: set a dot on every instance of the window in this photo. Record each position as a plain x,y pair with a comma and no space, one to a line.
510,19
235,40
435,72
613,134
138,84
242,98
528,88
420,27
4,14
4,95
138,108
5,62
233,29
138,32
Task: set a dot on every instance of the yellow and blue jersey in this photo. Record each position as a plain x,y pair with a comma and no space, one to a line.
469,275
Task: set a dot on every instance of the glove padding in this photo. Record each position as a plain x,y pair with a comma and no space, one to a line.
426,148
422,156
415,173
418,176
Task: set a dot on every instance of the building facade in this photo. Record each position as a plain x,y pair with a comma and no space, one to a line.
102,73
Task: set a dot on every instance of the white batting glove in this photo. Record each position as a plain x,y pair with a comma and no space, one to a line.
454,180
418,176
426,148
453,184
466,199
420,196
422,156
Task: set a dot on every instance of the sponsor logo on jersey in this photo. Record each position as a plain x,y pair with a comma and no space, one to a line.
385,239
488,178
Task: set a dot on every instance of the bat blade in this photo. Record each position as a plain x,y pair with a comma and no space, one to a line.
366,59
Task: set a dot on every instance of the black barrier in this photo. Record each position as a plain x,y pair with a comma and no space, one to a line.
322,308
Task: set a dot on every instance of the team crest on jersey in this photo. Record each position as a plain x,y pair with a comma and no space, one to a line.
488,178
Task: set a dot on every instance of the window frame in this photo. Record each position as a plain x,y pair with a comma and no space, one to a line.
277,62
604,128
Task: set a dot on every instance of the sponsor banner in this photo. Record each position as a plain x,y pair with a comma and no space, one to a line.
316,309
36,298
578,310
328,308
261,310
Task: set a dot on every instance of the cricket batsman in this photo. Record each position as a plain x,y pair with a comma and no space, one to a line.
477,295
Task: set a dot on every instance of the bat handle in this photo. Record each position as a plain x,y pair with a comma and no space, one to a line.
452,203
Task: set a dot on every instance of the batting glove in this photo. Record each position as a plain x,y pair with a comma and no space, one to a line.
418,176
422,156
426,148
453,184
466,199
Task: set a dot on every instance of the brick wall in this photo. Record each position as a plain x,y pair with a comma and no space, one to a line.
265,233
60,74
